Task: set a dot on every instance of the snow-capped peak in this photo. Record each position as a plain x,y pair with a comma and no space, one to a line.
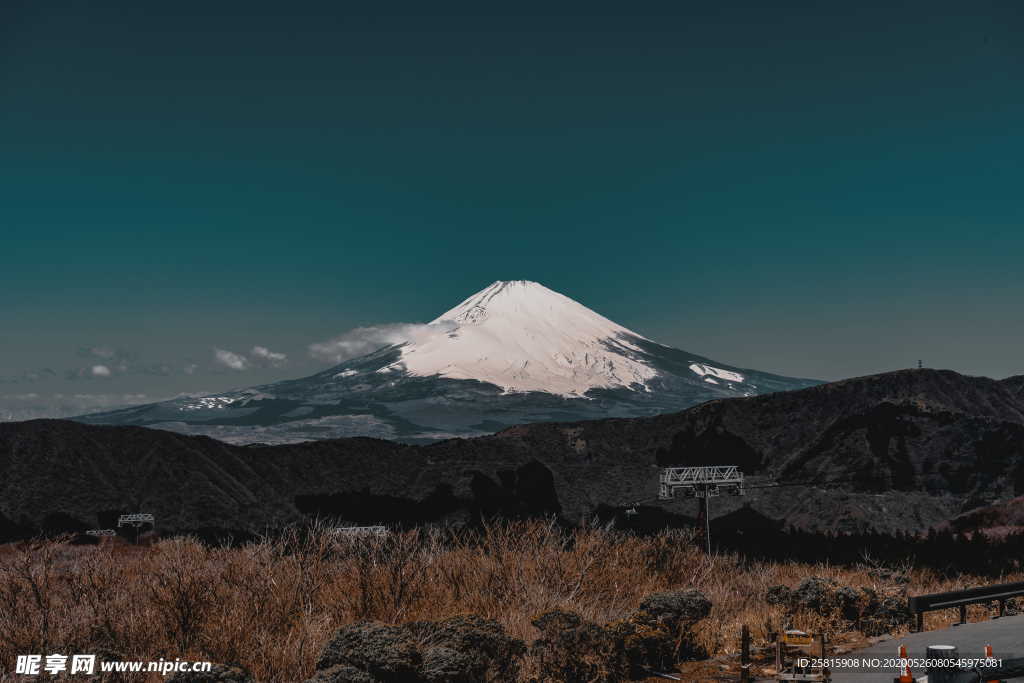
527,299
516,335
522,336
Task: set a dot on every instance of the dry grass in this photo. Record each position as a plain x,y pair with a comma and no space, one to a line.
271,606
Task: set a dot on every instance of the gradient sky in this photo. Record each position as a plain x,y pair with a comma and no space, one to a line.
816,189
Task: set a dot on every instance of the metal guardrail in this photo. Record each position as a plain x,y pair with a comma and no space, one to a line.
919,604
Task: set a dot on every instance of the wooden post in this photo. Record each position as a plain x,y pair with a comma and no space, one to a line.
778,655
963,614
1002,608
920,621
745,654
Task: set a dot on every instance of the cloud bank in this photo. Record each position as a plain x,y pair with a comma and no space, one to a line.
363,340
230,359
33,405
260,357
265,356
30,376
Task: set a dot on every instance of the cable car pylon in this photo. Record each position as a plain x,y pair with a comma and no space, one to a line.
701,482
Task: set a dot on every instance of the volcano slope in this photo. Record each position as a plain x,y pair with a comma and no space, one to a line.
514,353
905,450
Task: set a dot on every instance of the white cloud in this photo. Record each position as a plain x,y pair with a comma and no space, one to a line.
269,357
363,340
110,361
230,359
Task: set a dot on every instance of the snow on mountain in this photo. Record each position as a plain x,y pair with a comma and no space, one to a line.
708,372
513,353
522,336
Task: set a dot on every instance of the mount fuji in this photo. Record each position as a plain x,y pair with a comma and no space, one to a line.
513,353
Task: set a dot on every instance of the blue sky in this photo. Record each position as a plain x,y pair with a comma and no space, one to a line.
820,189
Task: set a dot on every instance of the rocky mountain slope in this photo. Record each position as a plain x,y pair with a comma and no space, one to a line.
900,451
514,353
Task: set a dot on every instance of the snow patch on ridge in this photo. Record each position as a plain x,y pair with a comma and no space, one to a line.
208,403
705,370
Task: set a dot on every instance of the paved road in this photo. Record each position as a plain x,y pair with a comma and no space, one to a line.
1006,636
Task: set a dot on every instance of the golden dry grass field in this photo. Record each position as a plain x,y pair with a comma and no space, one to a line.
271,606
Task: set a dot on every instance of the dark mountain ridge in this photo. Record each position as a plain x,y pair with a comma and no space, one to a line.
905,450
